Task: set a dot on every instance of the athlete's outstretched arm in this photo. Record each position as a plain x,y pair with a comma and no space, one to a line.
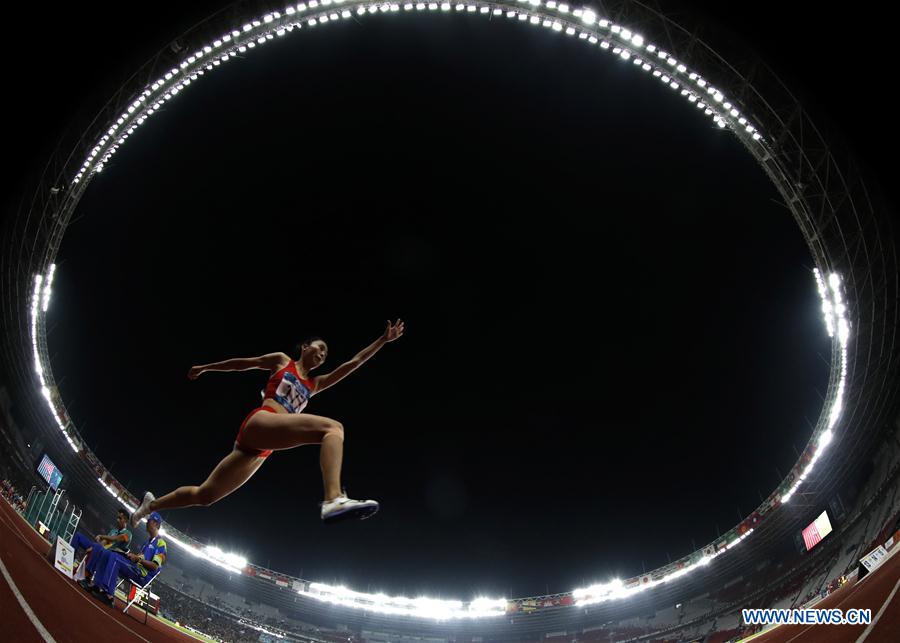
269,362
391,332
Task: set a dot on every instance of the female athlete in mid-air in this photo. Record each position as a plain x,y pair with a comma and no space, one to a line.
277,425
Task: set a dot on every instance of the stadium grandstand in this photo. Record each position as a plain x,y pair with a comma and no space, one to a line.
200,596
850,466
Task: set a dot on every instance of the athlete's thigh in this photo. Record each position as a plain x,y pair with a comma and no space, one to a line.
285,430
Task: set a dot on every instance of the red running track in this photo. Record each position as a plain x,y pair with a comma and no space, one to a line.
64,610
879,591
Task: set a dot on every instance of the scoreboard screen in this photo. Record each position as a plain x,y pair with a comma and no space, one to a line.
816,531
49,472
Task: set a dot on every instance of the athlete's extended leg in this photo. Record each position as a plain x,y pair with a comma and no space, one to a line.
232,472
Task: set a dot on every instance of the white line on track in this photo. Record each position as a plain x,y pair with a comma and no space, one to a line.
25,606
71,586
887,602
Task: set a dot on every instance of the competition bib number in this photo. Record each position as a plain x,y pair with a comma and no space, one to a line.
292,394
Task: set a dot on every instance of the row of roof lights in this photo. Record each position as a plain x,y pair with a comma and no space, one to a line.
834,311
210,56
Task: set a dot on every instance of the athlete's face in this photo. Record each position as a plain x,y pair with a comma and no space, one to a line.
120,521
315,353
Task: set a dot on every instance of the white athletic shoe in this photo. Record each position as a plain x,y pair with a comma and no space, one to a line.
143,510
344,507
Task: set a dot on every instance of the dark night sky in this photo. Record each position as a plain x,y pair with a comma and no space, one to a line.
613,336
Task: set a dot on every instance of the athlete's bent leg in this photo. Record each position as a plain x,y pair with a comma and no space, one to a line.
278,431
331,456
284,431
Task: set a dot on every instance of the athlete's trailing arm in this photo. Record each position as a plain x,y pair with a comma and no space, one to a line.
391,332
269,362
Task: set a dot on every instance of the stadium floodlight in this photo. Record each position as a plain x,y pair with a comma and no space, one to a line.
47,286
238,562
487,606
421,607
35,302
586,15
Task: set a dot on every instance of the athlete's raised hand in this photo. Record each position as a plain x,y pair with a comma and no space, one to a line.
392,332
195,372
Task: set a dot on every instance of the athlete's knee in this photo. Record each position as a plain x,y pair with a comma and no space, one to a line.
204,497
333,427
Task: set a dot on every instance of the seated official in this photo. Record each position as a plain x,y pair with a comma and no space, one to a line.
118,539
140,568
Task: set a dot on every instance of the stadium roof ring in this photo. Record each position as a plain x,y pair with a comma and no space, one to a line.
850,239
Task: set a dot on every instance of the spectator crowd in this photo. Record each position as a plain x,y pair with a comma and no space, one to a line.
8,490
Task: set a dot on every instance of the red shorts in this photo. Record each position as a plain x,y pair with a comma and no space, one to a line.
260,453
